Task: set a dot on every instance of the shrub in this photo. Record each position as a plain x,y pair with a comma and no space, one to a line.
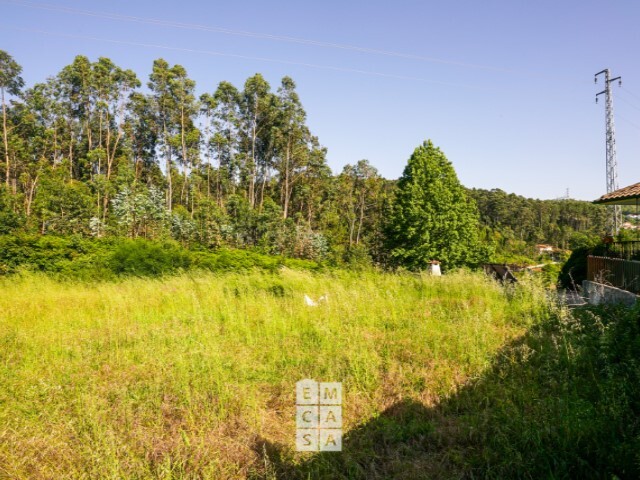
574,271
144,258
107,258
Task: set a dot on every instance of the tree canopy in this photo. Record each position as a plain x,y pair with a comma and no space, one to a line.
88,152
432,218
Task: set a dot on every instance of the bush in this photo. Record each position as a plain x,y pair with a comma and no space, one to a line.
144,258
107,258
574,271
45,253
357,257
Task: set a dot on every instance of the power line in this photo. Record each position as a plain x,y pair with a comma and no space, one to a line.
264,36
244,57
630,92
628,121
629,103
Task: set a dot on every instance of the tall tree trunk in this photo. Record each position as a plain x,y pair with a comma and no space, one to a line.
167,154
111,157
287,196
5,136
30,194
137,167
218,183
252,178
362,203
265,176
184,192
208,180
70,126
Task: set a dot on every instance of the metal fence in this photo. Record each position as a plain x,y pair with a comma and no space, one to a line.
624,274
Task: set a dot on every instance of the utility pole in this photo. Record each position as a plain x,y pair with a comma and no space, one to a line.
615,214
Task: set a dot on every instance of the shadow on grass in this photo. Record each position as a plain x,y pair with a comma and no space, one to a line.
561,402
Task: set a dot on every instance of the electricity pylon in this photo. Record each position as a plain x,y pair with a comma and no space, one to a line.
615,213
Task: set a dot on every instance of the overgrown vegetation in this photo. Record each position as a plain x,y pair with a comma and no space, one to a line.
193,376
562,402
110,258
188,376
188,229
87,152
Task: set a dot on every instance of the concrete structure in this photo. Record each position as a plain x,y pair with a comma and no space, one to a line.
598,294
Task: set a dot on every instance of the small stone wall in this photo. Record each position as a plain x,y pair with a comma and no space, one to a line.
598,293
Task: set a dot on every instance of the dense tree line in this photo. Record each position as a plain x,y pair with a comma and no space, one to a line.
91,151
512,222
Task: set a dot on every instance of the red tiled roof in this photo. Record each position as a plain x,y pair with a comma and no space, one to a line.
622,196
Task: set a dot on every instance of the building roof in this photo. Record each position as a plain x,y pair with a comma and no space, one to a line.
623,196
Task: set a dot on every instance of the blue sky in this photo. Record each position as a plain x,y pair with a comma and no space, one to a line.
505,88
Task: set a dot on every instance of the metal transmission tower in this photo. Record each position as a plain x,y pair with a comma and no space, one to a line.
615,214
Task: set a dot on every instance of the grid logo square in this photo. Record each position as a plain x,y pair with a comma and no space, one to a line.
307,416
307,440
330,440
330,393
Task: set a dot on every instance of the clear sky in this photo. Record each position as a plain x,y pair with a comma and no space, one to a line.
505,88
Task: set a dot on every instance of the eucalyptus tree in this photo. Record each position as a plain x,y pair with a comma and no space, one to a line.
43,103
313,194
11,83
224,113
207,107
164,105
187,138
30,146
141,136
293,140
256,117
176,109
112,88
360,187
74,90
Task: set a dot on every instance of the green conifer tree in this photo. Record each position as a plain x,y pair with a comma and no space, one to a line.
432,218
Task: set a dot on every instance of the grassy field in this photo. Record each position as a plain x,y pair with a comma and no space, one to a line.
193,376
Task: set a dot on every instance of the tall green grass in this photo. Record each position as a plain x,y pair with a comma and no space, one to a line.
191,376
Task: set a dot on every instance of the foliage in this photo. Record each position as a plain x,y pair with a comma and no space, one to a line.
550,273
143,258
515,224
9,219
574,270
194,374
140,213
108,258
88,152
563,402
431,218
44,253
